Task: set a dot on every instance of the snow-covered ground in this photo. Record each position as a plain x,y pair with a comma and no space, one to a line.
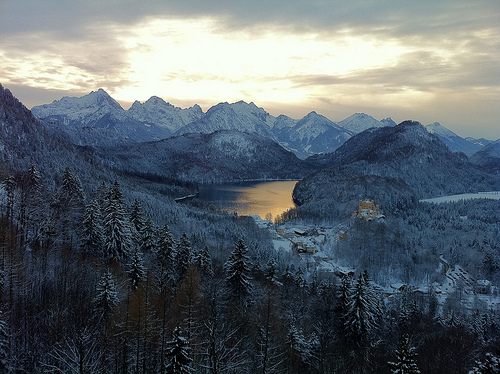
452,198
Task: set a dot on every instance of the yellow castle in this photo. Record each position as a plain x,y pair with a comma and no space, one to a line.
368,210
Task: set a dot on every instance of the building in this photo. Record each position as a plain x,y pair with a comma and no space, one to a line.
368,210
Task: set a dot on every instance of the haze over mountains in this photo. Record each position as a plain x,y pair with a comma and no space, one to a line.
155,119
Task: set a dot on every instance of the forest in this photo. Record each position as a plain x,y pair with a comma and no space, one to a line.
93,283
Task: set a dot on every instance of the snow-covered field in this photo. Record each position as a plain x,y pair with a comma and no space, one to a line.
452,198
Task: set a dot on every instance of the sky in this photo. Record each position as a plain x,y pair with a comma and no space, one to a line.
429,61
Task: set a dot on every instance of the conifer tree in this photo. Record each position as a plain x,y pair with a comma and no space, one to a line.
177,354
237,269
117,229
71,192
362,310
183,256
136,271
10,186
137,216
93,235
30,184
149,236
165,248
164,257
405,358
106,299
69,206
270,272
491,365
203,262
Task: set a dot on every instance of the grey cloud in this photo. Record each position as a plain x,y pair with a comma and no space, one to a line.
385,17
420,70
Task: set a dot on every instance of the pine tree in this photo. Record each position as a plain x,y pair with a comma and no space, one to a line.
362,310
237,269
270,272
71,192
299,349
137,216
177,355
136,271
93,235
149,236
30,184
299,278
69,206
164,257
117,229
10,185
106,299
165,247
405,358
183,256
203,262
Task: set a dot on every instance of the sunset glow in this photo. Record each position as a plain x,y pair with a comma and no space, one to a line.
288,65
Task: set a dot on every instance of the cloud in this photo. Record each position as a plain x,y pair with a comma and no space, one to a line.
384,17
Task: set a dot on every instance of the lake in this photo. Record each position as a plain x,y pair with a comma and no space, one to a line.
249,198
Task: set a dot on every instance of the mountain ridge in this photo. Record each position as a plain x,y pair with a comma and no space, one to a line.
156,119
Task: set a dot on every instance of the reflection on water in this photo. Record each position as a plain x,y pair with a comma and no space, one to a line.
259,198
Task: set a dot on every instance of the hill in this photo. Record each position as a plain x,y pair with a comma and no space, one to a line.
393,165
221,156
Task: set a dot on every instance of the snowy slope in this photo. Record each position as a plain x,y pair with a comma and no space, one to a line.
98,110
156,111
452,140
225,155
239,116
359,122
312,134
488,158
81,111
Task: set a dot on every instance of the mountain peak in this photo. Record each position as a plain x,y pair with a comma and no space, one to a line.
359,122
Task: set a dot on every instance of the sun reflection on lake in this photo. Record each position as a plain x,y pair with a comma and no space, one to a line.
260,198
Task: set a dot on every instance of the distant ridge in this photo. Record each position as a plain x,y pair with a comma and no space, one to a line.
103,118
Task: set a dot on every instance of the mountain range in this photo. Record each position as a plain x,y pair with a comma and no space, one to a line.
98,119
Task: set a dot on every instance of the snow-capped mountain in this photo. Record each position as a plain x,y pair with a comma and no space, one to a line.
452,140
98,119
388,122
239,116
359,122
81,111
26,141
157,112
311,135
98,110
